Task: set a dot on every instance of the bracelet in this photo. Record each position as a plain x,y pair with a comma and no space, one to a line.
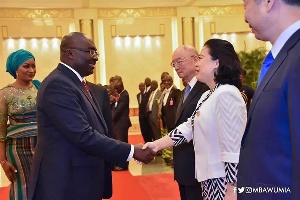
3,162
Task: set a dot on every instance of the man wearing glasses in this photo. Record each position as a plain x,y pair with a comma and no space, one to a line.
184,61
73,149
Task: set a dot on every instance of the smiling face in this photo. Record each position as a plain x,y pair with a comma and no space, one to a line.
26,71
206,67
79,52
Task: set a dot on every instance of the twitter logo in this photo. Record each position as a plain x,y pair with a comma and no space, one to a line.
241,190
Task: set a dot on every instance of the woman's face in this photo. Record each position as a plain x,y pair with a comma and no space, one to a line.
26,71
206,66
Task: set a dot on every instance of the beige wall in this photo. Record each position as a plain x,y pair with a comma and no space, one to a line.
132,58
138,56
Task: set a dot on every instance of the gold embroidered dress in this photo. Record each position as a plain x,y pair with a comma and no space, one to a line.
18,127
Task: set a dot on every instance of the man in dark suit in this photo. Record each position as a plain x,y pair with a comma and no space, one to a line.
139,96
184,61
120,115
170,102
69,161
270,152
143,113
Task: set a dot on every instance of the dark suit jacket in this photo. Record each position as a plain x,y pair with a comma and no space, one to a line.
270,153
121,120
102,99
184,155
169,111
72,142
143,105
138,98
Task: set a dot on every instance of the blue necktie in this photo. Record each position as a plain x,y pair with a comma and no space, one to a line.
186,92
265,66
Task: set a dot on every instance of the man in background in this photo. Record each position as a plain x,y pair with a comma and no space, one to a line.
143,113
184,60
152,107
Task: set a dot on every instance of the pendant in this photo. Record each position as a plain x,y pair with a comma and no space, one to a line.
198,113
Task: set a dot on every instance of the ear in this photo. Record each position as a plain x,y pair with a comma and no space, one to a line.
269,4
69,53
217,63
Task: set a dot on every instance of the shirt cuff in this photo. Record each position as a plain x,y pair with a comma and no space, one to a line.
131,153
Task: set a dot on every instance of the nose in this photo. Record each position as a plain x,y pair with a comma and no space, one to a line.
31,69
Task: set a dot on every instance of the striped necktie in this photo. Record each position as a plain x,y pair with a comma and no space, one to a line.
86,88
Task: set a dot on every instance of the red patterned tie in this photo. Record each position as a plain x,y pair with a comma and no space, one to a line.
86,87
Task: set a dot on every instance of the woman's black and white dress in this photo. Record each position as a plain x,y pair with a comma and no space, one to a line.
216,128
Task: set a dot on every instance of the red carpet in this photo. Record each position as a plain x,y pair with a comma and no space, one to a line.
4,193
159,186
135,139
126,187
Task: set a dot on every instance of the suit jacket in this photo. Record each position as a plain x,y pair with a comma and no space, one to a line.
102,99
138,98
72,144
184,155
155,105
120,114
270,153
169,110
143,105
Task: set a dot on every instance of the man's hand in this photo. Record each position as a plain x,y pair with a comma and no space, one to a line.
143,155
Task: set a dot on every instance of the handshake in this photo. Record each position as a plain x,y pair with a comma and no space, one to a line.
145,153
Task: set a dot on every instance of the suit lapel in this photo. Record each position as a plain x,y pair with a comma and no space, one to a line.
191,95
75,79
274,67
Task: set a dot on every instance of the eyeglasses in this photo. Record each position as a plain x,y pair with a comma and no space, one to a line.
92,52
180,61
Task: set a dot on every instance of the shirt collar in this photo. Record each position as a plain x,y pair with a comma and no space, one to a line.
74,71
193,82
168,90
284,36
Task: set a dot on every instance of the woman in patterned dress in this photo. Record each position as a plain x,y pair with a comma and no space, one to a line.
18,107
217,124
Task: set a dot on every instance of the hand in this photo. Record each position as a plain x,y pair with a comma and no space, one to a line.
151,145
231,193
9,171
143,155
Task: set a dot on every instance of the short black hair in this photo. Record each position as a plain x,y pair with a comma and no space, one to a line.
229,70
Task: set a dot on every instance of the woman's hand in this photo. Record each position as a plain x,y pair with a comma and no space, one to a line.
151,145
9,171
231,193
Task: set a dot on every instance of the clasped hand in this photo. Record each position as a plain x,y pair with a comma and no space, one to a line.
144,153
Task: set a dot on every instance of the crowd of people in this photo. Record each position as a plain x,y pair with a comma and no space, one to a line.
61,138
